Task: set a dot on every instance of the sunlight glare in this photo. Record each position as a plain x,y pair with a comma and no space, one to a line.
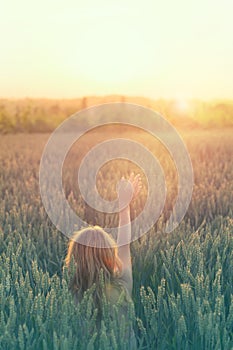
182,104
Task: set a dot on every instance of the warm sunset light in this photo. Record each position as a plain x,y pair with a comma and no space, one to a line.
102,61
116,167
182,105
71,48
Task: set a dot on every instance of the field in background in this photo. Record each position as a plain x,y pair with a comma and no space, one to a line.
183,281
43,115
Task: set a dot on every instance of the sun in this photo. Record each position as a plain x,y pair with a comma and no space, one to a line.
182,104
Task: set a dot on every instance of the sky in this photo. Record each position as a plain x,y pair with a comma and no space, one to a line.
156,49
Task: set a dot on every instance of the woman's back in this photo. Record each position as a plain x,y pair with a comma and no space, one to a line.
117,293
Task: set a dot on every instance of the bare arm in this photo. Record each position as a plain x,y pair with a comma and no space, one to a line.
124,235
124,229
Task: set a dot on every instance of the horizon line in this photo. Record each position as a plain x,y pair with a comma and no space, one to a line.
210,99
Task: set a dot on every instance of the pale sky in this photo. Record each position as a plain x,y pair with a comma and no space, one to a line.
73,48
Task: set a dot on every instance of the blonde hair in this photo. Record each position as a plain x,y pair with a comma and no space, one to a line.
98,251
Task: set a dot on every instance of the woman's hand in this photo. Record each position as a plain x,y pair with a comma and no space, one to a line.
129,189
136,183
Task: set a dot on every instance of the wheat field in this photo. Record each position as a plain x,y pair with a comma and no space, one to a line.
183,281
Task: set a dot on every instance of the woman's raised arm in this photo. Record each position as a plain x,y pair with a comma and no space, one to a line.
128,190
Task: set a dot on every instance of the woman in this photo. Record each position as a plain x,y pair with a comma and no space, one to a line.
99,252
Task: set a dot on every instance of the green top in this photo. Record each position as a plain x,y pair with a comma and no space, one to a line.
113,293
122,283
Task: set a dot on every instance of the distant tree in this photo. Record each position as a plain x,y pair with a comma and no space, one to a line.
6,123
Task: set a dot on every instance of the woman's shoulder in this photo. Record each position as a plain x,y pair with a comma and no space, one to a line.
116,288
113,292
125,279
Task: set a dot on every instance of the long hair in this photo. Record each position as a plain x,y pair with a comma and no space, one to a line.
98,252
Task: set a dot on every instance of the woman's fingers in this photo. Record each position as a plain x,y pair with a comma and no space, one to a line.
131,177
136,182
